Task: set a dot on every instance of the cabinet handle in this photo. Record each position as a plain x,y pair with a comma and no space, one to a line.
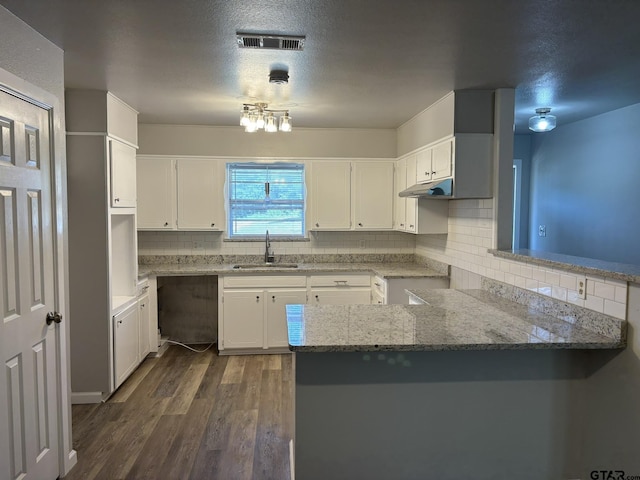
257,298
213,224
317,224
341,282
273,297
402,224
142,305
166,224
426,173
116,199
410,226
433,173
359,224
317,297
376,284
119,322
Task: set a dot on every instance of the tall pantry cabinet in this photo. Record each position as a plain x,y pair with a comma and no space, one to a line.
102,138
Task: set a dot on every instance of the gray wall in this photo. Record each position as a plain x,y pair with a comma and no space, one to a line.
522,151
584,187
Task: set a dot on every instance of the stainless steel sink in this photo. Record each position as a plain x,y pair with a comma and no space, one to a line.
247,266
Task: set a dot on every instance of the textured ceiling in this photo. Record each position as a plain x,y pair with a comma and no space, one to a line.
366,63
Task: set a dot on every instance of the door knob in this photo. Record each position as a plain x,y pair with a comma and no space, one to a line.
53,317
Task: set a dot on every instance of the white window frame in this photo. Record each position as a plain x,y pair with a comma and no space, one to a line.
302,206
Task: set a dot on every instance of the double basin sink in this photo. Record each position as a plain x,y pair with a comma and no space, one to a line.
249,266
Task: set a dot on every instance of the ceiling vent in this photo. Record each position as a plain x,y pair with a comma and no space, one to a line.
272,42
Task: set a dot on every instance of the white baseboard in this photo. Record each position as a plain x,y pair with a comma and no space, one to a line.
78,398
292,469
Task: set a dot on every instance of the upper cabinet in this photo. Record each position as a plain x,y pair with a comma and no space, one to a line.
156,179
199,192
372,195
354,195
331,195
180,194
123,174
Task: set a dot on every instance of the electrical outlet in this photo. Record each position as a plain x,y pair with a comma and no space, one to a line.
542,231
363,243
581,285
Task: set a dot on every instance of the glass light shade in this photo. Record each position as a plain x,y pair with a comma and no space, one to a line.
285,123
244,117
260,120
252,124
270,124
542,122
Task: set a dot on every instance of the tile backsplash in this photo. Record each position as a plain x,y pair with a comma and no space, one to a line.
212,243
471,230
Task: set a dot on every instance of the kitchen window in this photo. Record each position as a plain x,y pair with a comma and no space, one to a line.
265,197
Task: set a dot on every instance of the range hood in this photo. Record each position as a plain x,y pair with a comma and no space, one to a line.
438,189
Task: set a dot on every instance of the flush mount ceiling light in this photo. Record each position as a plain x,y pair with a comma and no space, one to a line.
258,116
542,121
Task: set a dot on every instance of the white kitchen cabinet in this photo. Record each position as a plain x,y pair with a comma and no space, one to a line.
372,194
199,194
400,203
125,343
340,289
253,312
123,174
144,322
156,193
101,141
411,209
276,318
423,165
442,160
243,319
331,195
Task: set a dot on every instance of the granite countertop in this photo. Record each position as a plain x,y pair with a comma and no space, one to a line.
570,263
451,320
385,270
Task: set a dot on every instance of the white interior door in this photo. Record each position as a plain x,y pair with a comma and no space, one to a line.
29,381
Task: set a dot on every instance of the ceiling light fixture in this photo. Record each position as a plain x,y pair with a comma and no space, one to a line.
258,116
542,121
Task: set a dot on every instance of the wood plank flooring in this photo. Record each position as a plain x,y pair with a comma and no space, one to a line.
192,416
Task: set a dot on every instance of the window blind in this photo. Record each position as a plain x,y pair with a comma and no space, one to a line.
265,197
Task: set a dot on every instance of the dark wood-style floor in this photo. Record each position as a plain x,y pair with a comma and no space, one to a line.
193,416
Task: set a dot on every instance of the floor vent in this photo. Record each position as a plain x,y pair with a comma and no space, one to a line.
273,42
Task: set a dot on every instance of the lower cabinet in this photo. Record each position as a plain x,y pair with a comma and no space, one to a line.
144,319
253,311
340,289
125,343
341,296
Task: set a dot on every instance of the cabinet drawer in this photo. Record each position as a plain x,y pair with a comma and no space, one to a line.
358,280
264,281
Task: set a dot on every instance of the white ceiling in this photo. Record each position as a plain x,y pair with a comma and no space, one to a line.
366,63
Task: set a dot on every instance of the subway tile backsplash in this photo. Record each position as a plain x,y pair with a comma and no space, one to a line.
471,230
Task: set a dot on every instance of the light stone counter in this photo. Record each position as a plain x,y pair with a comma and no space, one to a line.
451,320
570,263
385,270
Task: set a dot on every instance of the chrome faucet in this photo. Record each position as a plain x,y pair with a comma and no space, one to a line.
268,256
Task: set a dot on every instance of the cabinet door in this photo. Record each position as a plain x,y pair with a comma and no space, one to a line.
423,166
125,343
144,319
331,196
243,317
340,296
373,195
156,194
123,174
276,324
441,160
400,202
411,212
200,195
